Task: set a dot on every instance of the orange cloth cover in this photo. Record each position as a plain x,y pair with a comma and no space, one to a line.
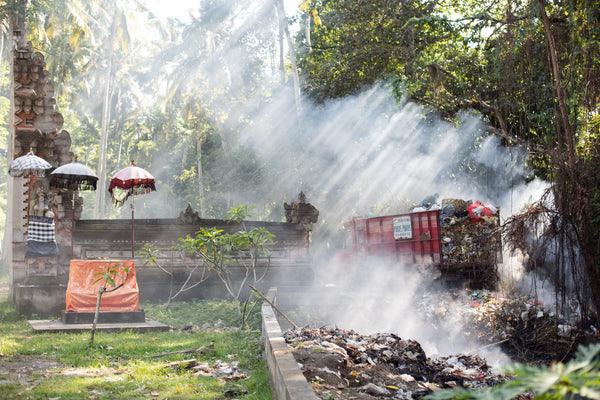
82,295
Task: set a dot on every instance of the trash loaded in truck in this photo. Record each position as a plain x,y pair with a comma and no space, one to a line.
458,238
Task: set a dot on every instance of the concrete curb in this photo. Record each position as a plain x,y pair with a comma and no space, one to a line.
287,381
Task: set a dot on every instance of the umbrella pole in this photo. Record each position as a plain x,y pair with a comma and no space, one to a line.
29,178
132,229
72,222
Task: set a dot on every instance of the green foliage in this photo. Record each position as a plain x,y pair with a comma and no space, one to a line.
239,213
109,275
215,250
580,376
358,44
148,254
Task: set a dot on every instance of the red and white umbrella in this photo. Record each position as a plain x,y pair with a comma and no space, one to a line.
130,182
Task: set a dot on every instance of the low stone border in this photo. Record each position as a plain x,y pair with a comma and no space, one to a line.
287,381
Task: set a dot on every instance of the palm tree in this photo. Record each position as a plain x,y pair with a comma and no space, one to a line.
211,70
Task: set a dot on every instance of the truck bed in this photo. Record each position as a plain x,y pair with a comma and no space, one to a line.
462,248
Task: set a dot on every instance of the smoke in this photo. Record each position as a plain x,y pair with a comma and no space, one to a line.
368,154
381,297
360,155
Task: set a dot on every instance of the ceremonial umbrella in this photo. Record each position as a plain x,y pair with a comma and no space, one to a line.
73,176
129,182
27,165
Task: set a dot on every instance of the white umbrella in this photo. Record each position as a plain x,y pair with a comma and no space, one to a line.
28,164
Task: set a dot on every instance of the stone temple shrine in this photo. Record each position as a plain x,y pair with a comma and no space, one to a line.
39,264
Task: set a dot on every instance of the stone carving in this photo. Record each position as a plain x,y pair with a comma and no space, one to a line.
303,214
38,198
189,216
36,120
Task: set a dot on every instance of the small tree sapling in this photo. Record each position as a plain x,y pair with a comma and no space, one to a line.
108,277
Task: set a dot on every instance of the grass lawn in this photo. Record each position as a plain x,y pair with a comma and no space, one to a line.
122,366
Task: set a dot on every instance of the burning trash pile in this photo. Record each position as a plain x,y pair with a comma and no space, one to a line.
528,332
519,325
341,364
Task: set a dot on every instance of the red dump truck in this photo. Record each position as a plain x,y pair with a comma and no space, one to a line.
463,244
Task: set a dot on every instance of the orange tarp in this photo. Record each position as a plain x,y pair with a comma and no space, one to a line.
82,293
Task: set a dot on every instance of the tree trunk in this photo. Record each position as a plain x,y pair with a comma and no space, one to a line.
200,177
118,126
213,53
560,91
572,194
96,314
307,29
283,24
281,50
102,186
10,206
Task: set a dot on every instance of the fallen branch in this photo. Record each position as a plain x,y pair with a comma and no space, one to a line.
274,306
486,346
187,364
186,351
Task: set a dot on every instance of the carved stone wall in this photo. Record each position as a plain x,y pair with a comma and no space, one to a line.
37,126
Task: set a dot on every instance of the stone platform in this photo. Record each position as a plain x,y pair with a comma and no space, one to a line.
53,326
104,317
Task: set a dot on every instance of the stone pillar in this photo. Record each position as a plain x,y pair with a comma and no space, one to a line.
36,126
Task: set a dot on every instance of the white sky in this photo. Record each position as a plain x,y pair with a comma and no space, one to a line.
180,8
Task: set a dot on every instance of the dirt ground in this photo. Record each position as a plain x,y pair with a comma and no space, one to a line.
23,369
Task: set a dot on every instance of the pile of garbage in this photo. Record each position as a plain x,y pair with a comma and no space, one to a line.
521,326
470,235
528,331
344,364
469,230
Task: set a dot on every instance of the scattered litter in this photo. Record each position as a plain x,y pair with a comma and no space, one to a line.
384,365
